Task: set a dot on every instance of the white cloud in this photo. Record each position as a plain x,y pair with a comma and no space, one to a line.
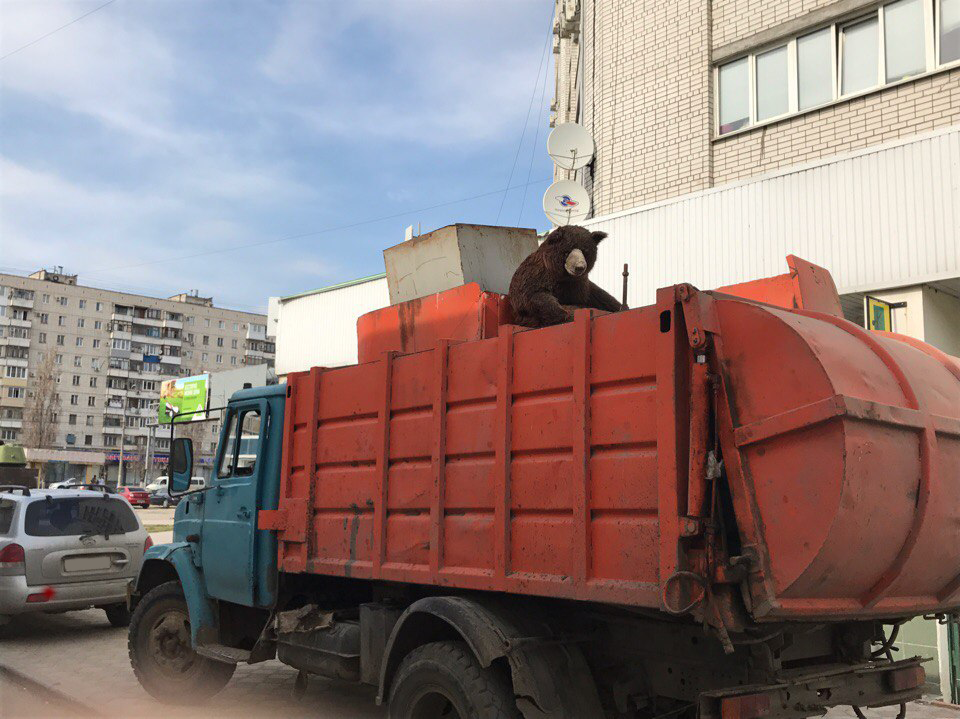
440,79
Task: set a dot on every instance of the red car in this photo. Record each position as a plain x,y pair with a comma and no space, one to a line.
136,496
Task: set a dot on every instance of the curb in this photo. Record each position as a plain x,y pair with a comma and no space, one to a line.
51,696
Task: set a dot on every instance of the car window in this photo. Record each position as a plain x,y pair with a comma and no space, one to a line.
7,508
68,516
241,445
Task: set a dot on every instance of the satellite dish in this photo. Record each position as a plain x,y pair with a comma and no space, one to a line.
566,202
570,146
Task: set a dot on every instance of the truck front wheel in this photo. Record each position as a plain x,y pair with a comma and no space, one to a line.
161,654
444,679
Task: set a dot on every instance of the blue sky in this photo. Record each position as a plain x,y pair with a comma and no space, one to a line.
154,130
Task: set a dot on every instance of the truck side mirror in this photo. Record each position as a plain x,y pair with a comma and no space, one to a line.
181,465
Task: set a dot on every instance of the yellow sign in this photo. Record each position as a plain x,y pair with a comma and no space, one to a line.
878,314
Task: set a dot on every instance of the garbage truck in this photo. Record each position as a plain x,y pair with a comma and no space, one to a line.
722,505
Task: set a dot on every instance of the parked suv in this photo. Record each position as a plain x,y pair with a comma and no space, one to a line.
66,549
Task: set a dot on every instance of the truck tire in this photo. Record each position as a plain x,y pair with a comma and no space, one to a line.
444,679
118,615
161,654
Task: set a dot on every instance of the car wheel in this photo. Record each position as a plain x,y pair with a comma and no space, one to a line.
444,679
118,615
161,654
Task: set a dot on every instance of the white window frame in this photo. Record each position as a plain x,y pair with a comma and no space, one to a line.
931,26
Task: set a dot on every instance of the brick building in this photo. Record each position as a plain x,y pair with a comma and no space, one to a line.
684,96
730,133
110,351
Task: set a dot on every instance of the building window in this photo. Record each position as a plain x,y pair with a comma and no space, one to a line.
46,299
74,399
815,84
773,85
60,340
948,18
59,360
91,401
734,90
219,341
96,344
233,360
93,381
71,419
79,341
859,43
82,304
89,420
206,340
80,322
219,359
61,321
77,361
236,326
76,380
205,356
16,372
233,344
88,439
897,41
42,338
15,392
99,306
62,301
97,325
220,324
44,318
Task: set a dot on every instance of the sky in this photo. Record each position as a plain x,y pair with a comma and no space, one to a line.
256,148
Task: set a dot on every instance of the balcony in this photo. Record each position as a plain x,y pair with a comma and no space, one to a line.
114,410
23,302
11,423
173,324
121,335
13,322
15,341
13,362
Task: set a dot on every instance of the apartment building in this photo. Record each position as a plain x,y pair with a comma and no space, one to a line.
730,133
110,352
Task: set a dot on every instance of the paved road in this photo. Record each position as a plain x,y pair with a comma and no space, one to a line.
80,656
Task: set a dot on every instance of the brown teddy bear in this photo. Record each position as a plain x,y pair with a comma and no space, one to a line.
552,281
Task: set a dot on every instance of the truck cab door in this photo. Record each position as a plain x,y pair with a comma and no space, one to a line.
229,548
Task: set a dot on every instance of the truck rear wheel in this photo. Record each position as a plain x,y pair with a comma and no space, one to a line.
161,654
444,679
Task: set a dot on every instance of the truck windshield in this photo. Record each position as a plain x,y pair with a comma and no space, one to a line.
68,516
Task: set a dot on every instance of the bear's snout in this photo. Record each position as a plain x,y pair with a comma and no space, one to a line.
576,263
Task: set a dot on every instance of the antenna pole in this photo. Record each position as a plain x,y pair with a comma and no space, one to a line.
626,274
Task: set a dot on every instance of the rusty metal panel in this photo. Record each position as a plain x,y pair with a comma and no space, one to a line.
463,313
570,461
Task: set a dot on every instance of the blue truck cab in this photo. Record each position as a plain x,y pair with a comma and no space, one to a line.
217,554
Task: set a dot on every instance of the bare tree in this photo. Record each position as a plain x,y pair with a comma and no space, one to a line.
43,403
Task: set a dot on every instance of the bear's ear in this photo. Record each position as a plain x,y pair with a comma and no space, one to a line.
554,237
598,237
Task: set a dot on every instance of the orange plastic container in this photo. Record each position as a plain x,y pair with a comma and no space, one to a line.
575,461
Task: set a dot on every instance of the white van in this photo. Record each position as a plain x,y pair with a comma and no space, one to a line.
161,483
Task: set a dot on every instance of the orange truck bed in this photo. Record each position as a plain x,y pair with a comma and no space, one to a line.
577,461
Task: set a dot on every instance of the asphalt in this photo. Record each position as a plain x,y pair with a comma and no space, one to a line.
75,665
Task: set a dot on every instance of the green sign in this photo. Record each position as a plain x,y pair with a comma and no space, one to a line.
183,400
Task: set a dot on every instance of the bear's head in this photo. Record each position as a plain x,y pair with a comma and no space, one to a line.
572,250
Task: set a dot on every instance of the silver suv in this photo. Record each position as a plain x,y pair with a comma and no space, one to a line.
65,549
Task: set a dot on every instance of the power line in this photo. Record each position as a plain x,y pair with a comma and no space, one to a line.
52,32
314,233
526,121
533,152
